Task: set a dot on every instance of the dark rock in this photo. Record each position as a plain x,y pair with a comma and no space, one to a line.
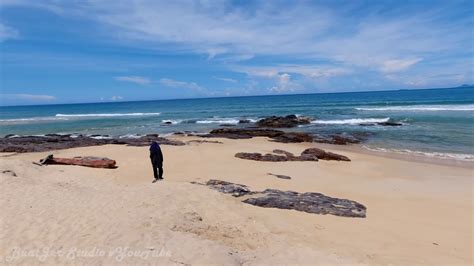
179,133
310,202
337,139
56,142
247,133
280,176
283,121
311,154
388,123
323,155
259,157
244,121
9,136
236,190
293,137
227,125
167,123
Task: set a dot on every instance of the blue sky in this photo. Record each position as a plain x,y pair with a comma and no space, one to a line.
92,51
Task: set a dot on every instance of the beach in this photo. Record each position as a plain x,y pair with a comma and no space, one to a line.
418,211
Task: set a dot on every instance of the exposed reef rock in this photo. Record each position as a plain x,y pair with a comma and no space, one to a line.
56,142
247,133
89,161
310,202
236,190
283,121
311,154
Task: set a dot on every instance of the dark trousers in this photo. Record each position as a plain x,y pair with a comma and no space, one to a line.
159,166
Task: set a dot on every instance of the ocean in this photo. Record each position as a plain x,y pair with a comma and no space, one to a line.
436,122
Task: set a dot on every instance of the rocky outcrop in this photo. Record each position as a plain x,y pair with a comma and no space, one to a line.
323,155
247,133
283,121
310,202
89,161
337,139
236,190
55,142
244,121
311,154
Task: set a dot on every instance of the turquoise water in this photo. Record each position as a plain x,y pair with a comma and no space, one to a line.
437,122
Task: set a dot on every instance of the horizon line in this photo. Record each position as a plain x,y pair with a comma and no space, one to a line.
241,96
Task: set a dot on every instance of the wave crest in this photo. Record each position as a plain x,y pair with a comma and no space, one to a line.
463,107
353,121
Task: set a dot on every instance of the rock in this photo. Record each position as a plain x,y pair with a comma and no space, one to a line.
259,157
337,139
167,123
247,133
311,154
310,202
293,137
388,123
280,176
89,161
9,136
283,121
236,190
243,133
56,142
244,121
227,125
323,155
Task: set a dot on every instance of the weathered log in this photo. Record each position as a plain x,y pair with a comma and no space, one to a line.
88,161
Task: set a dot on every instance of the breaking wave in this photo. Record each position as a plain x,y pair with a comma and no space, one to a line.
462,107
354,121
107,115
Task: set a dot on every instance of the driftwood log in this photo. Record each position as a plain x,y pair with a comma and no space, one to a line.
88,161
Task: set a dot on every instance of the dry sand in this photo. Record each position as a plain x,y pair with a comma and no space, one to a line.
417,212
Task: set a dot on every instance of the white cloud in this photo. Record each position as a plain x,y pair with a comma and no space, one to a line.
180,84
7,33
226,79
134,79
28,97
396,65
116,98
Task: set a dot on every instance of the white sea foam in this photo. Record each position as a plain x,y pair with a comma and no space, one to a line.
460,107
353,121
32,119
107,115
442,155
216,121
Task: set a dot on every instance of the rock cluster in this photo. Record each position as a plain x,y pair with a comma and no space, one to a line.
310,154
283,121
310,202
247,133
55,142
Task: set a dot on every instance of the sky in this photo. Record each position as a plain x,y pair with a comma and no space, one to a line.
92,51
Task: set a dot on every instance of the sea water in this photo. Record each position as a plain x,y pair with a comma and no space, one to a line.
436,122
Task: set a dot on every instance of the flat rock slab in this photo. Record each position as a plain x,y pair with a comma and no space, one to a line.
247,133
283,121
56,142
88,161
310,202
236,190
310,154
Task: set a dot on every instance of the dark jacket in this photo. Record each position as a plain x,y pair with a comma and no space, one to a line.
156,155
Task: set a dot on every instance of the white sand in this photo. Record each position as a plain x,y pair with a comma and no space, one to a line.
417,212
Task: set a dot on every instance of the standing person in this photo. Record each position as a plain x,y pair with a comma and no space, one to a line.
156,160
